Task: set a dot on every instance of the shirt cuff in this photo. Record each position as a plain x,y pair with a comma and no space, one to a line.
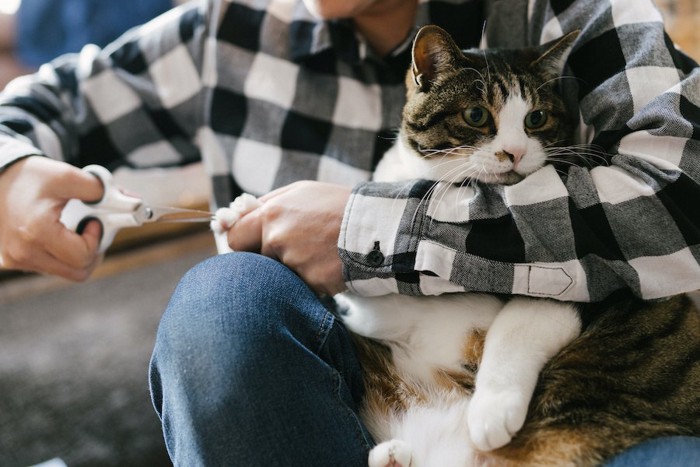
365,243
12,150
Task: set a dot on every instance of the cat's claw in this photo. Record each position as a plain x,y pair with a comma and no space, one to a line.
392,453
496,417
224,218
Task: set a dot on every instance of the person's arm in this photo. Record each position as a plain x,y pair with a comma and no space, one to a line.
626,221
138,102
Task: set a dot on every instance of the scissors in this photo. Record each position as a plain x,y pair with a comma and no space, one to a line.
116,210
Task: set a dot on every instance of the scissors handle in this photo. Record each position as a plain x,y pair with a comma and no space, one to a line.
114,210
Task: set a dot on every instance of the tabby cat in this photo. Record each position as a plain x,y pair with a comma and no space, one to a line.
545,392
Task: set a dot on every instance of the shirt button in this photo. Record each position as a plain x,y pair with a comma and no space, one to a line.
375,258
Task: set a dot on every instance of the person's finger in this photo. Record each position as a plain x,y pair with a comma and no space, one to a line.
57,268
92,234
78,184
41,261
75,250
246,234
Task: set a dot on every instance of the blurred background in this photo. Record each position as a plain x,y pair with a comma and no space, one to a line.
74,357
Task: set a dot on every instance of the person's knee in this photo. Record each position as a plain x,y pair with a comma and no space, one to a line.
229,311
216,331
219,302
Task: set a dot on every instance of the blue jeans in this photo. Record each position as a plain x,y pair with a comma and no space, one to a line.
251,369
674,451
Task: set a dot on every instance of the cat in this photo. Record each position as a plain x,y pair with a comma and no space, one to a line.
472,379
468,117
449,379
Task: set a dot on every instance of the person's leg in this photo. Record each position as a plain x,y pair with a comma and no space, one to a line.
250,369
672,451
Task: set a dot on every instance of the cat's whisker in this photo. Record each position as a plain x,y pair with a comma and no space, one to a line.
462,174
446,184
481,81
488,67
423,200
558,78
430,152
588,154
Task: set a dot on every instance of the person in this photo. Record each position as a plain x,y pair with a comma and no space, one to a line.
296,101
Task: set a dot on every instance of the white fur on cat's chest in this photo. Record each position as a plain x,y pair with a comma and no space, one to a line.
425,334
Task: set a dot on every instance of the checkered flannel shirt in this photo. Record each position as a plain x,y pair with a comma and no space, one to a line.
266,95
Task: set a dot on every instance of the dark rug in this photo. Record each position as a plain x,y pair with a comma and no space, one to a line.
74,370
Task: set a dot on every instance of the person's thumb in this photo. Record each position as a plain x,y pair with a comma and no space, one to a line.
80,185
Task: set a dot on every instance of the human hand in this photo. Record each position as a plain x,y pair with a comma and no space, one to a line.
33,192
299,225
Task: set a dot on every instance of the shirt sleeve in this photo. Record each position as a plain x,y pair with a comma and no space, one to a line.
625,217
137,102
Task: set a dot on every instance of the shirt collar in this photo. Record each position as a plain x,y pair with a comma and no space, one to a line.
308,36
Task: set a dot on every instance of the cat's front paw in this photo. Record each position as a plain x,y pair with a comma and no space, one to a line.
224,218
392,453
495,417
240,206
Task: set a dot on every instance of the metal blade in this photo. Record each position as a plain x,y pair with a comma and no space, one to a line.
162,214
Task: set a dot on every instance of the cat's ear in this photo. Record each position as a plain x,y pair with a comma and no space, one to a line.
433,51
553,54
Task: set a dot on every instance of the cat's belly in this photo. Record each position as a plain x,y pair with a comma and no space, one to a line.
424,333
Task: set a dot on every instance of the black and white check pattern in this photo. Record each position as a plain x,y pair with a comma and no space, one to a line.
265,95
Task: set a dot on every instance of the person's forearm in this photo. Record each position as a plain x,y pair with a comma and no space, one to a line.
100,107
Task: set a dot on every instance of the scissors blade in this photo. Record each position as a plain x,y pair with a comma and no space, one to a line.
163,214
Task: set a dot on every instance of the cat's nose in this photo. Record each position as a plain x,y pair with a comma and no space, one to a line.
515,155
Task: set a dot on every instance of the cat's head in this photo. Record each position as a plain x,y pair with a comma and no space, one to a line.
487,115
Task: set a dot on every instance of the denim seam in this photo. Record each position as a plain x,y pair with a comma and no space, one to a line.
359,432
324,331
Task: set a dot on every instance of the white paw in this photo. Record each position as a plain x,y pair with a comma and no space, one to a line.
495,417
392,453
224,218
357,318
240,206
348,313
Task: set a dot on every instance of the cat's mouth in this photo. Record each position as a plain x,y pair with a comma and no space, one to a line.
482,167
509,177
504,178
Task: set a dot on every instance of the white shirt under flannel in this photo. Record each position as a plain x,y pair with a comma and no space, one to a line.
266,95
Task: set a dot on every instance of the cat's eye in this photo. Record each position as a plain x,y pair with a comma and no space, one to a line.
536,119
476,116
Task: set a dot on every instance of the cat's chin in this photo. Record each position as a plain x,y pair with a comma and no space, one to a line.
505,178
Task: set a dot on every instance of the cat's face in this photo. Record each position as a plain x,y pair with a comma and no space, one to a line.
490,116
